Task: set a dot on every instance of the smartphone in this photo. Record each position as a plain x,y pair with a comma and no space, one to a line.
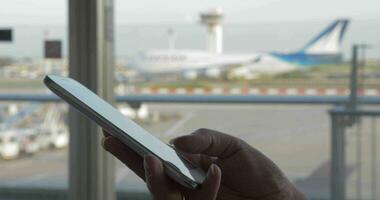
126,130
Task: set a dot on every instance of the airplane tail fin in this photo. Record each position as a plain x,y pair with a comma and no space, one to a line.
329,40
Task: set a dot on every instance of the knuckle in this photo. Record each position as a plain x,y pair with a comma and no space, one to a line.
201,131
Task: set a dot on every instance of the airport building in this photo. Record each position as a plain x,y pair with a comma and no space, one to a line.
307,116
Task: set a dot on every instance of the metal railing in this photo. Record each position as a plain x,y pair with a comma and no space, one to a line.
239,99
349,150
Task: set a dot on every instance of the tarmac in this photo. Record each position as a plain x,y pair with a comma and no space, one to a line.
295,137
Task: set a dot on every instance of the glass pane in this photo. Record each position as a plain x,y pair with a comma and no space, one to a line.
33,135
271,49
362,160
297,142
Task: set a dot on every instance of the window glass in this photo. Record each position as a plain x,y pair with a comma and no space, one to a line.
271,49
34,135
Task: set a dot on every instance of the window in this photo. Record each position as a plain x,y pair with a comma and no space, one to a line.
268,49
34,135
258,70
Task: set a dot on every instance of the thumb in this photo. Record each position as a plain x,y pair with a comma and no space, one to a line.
208,142
211,184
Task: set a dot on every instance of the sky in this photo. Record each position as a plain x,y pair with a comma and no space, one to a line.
43,12
267,24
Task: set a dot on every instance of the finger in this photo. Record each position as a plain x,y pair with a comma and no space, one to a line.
199,160
211,184
130,158
208,142
105,133
158,184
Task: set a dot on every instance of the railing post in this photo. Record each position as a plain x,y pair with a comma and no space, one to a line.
91,170
354,78
338,169
374,163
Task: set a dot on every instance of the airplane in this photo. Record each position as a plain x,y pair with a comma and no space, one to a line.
325,48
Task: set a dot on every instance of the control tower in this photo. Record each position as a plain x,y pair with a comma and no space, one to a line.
213,19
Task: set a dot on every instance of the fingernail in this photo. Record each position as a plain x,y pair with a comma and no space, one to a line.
147,166
104,144
212,170
146,163
171,141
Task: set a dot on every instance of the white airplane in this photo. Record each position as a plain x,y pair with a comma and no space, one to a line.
325,48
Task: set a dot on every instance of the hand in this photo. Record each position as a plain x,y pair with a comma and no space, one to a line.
246,172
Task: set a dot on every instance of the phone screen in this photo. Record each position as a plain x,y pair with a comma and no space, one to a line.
130,129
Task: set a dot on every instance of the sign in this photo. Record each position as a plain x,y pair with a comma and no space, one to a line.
6,35
53,49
